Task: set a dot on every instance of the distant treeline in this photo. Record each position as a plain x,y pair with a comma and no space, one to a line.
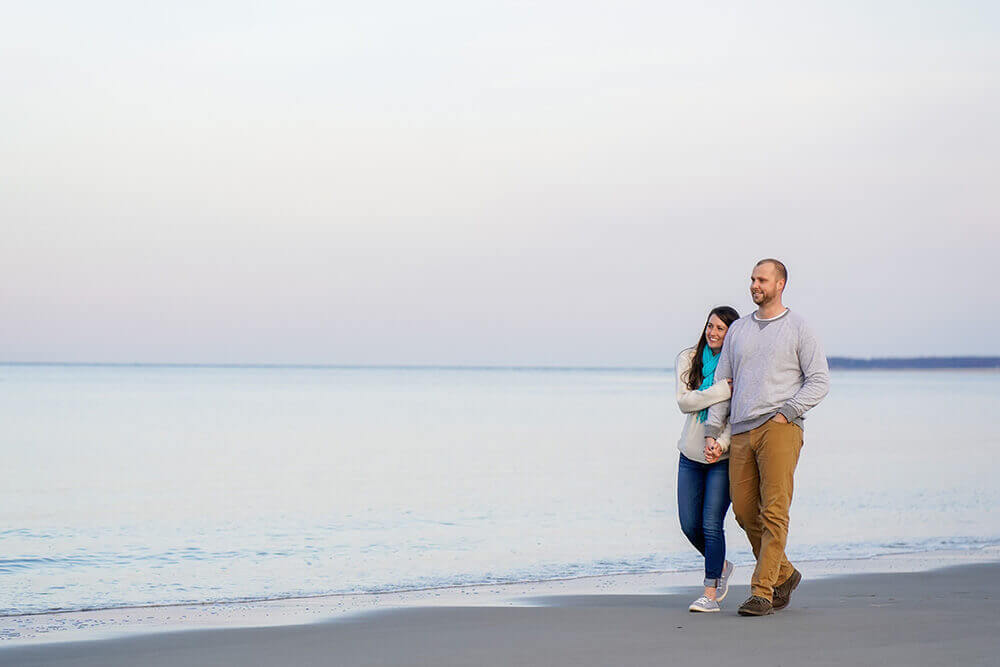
915,362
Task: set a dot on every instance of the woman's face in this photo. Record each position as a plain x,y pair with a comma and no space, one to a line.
715,333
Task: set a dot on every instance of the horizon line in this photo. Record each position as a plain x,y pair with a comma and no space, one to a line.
167,364
585,367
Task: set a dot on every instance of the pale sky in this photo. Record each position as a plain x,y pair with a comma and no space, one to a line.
492,182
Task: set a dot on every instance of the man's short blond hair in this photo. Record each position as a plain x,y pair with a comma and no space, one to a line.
778,266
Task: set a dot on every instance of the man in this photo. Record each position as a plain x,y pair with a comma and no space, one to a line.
778,371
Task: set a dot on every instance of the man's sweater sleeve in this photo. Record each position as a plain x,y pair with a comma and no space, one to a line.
718,414
695,400
816,385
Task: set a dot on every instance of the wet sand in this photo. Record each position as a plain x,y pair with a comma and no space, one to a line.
949,616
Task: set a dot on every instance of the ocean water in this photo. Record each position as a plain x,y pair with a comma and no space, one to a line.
144,485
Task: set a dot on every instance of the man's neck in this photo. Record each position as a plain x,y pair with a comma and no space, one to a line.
768,310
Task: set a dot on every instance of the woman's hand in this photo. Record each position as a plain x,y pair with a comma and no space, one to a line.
713,450
780,418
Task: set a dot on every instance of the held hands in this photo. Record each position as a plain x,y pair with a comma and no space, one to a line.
780,418
713,450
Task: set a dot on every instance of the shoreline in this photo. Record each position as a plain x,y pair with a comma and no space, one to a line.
42,629
307,597
887,611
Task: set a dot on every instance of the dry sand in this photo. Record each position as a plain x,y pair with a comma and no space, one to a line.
949,616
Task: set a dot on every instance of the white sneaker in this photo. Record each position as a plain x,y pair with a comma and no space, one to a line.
704,604
723,588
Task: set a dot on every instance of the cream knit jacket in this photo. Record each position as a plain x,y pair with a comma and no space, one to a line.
692,401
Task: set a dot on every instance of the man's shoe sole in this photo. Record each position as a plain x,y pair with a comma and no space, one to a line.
746,612
795,579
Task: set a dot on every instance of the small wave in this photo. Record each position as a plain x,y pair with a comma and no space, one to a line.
18,532
8,565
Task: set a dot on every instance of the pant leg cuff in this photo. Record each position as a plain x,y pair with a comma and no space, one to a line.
713,583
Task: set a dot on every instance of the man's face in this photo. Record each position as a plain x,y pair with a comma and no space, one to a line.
765,285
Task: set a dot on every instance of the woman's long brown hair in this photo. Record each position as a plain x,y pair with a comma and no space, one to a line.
728,316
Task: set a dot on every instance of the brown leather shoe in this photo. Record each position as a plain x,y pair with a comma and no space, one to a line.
783,592
756,606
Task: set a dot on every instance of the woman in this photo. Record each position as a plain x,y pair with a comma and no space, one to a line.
703,476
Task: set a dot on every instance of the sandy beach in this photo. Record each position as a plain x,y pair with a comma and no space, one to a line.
891,611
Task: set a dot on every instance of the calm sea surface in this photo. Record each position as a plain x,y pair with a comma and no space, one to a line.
152,485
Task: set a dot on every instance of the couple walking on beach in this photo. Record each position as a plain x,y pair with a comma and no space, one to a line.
745,387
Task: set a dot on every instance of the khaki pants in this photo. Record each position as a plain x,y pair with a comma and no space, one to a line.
761,465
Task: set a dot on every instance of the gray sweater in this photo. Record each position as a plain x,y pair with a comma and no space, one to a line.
776,366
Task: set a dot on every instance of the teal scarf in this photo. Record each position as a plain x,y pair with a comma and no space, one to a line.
709,361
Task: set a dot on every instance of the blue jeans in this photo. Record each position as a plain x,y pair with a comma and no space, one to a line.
702,501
